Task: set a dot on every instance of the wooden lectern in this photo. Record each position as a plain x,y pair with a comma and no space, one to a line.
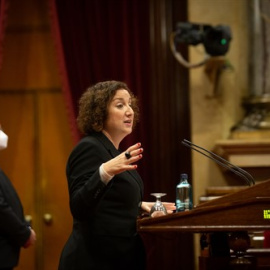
234,215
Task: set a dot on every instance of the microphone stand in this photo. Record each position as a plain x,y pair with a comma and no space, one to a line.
237,241
221,161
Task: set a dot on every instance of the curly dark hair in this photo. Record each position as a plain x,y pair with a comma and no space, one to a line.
93,105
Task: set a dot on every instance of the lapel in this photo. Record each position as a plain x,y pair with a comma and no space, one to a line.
114,152
107,144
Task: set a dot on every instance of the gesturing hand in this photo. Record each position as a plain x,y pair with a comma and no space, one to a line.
124,161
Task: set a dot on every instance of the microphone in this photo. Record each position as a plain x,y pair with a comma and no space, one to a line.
221,161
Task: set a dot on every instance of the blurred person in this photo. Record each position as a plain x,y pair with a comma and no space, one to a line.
105,190
15,232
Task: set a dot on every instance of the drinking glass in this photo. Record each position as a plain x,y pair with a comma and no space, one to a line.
158,209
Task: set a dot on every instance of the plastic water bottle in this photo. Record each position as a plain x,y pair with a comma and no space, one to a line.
184,200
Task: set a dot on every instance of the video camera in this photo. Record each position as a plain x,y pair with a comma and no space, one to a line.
216,40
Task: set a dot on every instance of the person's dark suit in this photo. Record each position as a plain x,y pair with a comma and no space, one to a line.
104,228
14,231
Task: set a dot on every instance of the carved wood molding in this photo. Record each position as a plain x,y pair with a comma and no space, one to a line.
245,153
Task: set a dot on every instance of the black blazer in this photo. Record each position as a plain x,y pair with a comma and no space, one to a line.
98,211
14,231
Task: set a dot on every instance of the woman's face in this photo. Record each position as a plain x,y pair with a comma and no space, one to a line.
119,121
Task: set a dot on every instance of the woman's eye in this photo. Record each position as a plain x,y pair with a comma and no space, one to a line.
119,105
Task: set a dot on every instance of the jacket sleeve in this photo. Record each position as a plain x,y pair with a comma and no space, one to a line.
85,185
11,225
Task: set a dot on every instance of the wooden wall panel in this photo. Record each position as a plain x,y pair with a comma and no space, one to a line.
33,114
55,146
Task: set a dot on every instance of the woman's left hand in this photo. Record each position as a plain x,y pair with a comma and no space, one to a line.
170,207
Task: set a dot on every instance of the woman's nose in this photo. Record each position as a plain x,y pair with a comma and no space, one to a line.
129,110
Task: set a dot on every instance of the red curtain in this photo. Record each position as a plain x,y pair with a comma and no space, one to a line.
3,17
102,40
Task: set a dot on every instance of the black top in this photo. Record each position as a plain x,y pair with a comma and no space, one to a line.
14,231
99,211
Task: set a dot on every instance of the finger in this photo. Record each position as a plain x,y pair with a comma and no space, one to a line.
138,151
169,206
131,158
170,209
132,151
131,167
134,147
169,203
135,158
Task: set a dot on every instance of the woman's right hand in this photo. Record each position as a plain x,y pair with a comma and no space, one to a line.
122,163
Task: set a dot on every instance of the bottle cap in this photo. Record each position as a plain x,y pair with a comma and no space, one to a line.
184,176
